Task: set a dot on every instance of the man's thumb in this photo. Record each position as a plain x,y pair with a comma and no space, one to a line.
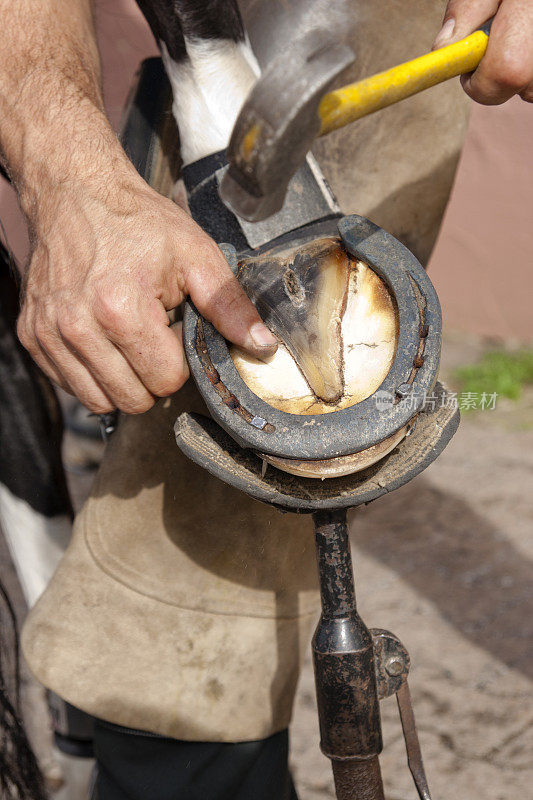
219,297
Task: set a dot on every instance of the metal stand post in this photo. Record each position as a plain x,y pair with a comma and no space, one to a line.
345,676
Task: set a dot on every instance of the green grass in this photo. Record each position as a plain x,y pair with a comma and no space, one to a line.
500,371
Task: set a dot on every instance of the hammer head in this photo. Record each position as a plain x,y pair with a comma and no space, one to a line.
278,124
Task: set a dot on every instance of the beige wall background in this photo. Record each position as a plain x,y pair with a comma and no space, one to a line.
482,265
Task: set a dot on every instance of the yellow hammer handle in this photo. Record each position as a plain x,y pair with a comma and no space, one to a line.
356,100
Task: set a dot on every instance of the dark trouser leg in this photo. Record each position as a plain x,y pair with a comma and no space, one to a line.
137,766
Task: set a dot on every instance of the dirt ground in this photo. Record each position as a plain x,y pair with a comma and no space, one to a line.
445,563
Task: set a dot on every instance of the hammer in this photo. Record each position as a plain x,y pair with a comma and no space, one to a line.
289,108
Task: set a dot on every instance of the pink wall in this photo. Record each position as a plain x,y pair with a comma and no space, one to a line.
125,40
483,263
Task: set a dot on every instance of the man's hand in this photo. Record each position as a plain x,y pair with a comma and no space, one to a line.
105,269
507,67
109,255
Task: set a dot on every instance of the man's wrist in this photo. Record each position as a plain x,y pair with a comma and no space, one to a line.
66,154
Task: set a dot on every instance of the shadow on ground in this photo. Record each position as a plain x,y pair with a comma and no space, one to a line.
477,579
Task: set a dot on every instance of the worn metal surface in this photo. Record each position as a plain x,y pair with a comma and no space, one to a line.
358,780
337,590
412,744
355,668
280,117
308,198
343,655
392,662
399,398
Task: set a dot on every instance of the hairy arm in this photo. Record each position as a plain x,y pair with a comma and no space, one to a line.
109,256
507,67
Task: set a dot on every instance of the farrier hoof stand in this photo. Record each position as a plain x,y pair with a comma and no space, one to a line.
354,667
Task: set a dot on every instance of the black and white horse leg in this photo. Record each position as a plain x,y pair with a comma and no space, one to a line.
210,66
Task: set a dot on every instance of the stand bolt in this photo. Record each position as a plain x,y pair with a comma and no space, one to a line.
394,667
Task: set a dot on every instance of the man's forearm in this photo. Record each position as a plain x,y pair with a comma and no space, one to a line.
53,128
109,256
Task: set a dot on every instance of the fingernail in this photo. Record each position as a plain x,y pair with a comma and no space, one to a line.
263,339
445,33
